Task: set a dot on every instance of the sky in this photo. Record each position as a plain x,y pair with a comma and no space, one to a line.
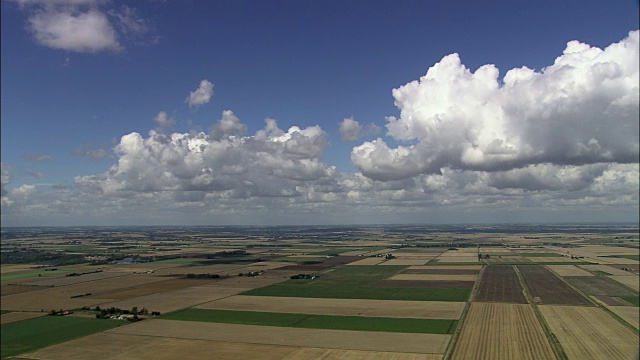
318,112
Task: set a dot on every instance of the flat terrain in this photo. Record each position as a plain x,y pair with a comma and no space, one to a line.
136,347
499,283
502,331
546,286
319,338
632,282
353,307
600,285
358,323
610,270
590,333
18,316
630,314
433,277
569,270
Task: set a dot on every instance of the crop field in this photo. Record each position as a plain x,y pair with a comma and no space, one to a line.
17,289
569,270
500,283
32,334
10,317
447,267
423,284
610,270
70,280
349,307
630,314
359,323
176,299
368,261
546,286
590,333
396,262
630,281
502,331
355,292
152,288
317,338
600,285
433,277
451,271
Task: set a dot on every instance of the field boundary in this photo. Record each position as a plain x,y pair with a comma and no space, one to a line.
557,348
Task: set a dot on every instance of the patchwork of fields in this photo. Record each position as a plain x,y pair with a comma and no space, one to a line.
294,298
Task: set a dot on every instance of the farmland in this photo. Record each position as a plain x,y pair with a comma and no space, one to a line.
301,292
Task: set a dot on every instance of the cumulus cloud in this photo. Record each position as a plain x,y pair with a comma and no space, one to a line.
85,26
270,163
36,157
88,31
351,130
164,121
582,109
201,95
37,174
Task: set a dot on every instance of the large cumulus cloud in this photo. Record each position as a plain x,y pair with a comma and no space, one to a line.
582,109
270,163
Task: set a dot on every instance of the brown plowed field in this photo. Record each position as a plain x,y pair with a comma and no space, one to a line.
544,284
600,285
502,331
500,283
590,333
152,288
424,284
17,289
320,338
453,271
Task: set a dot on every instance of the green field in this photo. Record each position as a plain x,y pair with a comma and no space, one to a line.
32,274
632,300
540,255
365,275
29,335
357,292
359,323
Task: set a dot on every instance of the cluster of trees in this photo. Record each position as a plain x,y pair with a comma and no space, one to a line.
203,276
303,276
114,311
252,273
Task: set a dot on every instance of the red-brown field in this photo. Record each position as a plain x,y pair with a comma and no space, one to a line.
549,288
500,283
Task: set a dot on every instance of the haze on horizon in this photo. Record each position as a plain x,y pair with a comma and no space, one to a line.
301,112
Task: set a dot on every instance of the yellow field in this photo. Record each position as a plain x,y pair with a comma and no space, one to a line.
319,338
5,269
405,262
630,314
433,277
17,316
136,347
447,267
590,333
337,354
175,300
125,347
569,270
347,307
368,261
630,281
502,331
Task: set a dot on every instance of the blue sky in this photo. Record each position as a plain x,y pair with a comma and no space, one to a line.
69,91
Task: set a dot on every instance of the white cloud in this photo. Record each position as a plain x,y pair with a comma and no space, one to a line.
88,31
36,157
163,120
351,130
269,164
88,151
201,95
583,109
